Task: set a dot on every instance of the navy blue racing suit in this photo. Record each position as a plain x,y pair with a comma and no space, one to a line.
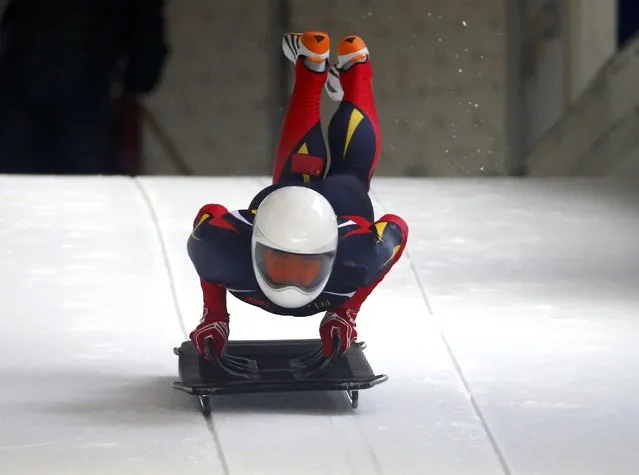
220,243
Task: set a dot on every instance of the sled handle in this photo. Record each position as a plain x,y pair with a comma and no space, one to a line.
235,369
320,364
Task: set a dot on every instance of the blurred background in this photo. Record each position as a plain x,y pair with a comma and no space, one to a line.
199,87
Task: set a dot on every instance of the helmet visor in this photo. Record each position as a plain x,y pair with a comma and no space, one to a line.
285,269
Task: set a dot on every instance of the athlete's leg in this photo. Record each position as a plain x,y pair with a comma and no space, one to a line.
354,134
301,152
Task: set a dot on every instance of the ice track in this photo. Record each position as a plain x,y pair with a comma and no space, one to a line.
510,333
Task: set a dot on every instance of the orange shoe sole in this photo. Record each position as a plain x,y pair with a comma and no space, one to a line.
317,42
349,45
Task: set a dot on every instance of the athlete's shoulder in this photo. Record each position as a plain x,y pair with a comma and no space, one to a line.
241,217
370,247
219,244
214,219
353,225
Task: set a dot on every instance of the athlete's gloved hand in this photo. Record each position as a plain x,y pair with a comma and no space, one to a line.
211,328
341,321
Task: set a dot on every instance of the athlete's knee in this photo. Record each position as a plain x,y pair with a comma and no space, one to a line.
209,210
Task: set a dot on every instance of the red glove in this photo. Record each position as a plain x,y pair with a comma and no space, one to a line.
215,320
342,322
215,329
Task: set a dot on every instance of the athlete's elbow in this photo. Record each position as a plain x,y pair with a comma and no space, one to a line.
201,259
369,279
193,249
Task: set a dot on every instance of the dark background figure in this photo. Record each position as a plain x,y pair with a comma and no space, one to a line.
70,73
627,21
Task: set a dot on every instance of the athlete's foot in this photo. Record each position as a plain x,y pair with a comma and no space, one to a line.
350,51
313,46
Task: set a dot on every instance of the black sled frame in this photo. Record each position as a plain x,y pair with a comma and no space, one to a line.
257,366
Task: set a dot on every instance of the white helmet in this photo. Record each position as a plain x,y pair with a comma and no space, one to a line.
293,245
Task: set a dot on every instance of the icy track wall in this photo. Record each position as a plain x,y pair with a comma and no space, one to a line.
599,134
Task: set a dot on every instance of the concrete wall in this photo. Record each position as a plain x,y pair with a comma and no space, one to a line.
592,40
543,58
439,83
563,44
599,134
214,99
442,69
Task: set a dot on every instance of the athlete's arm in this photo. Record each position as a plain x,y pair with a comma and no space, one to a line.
217,246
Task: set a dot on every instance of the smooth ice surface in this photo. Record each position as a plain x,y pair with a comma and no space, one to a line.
509,332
